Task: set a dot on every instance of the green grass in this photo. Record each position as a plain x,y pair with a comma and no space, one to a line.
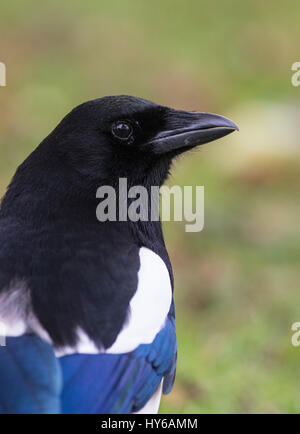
237,282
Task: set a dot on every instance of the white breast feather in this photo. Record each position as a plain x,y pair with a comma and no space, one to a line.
148,311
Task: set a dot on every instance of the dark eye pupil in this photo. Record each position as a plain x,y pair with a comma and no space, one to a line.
122,130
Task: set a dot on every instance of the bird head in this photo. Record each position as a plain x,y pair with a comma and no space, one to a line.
124,136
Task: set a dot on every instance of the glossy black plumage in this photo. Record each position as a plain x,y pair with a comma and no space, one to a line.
80,272
76,273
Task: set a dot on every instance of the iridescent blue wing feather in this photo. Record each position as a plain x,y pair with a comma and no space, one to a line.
30,376
113,383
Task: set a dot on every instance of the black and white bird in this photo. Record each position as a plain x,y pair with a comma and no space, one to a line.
86,307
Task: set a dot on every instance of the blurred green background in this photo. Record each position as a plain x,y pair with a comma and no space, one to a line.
237,281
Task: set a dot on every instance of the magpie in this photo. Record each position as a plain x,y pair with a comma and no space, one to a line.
86,307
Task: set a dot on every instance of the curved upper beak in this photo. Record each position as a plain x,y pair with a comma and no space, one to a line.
185,130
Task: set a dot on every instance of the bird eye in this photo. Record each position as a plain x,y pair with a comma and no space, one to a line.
122,130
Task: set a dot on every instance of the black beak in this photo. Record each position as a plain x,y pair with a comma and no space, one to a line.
185,130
